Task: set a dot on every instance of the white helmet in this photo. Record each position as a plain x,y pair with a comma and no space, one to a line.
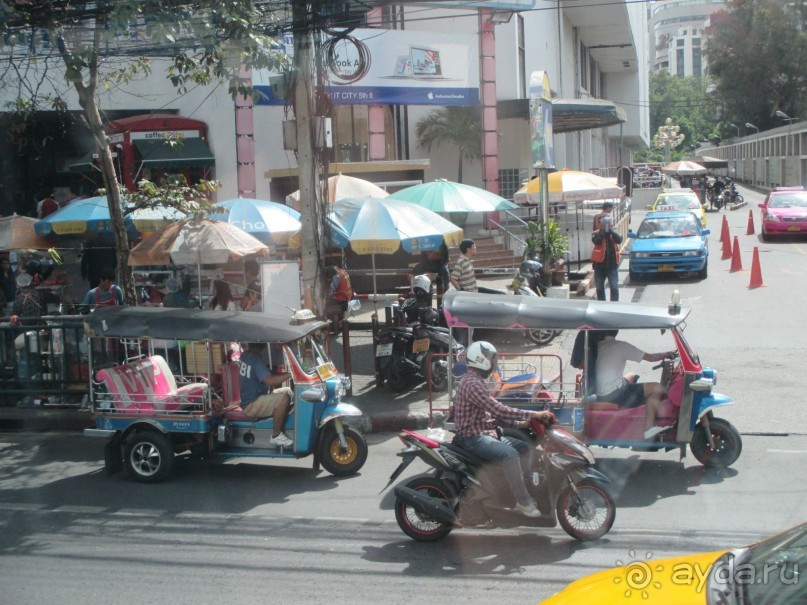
423,282
480,355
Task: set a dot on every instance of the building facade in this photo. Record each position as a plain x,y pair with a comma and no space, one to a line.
676,34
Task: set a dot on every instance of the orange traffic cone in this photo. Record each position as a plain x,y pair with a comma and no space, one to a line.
750,229
724,233
756,272
726,249
736,262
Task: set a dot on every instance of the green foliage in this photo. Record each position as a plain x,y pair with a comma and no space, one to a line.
552,249
457,126
175,192
686,102
756,54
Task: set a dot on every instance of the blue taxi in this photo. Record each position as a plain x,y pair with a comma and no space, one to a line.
669,242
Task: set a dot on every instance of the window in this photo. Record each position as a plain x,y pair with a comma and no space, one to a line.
679,60
583,62
696,41
522,62
679,42
511,180
697,69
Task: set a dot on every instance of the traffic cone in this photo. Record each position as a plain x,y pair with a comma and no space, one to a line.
756,272
724,233
726,249
750,229
736,262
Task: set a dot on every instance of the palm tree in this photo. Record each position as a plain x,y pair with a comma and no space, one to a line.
459,126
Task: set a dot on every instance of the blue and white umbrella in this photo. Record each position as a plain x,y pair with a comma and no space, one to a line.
80,218
270,222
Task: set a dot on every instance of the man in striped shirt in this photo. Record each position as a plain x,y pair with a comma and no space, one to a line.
462,276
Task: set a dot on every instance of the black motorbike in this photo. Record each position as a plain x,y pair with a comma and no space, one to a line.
464,491
415,347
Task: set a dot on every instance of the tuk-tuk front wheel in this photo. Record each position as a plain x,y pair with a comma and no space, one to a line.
727,444
343,461
149,457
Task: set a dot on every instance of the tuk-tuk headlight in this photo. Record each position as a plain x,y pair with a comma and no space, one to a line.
341,387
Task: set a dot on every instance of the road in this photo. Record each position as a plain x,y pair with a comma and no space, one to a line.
242,531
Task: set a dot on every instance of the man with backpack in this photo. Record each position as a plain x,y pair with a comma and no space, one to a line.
340,292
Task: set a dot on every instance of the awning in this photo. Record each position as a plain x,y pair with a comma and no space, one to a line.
708,161
85,164
569,115
187,152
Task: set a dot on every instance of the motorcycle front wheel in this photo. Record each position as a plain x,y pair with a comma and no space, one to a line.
587,514
416,525
541,337
727,440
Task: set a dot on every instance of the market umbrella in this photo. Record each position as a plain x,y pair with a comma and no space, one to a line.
341,186
18,233
384,225
195,241
446,196
684,168
569,186
149,220
270,222
708,161
81,218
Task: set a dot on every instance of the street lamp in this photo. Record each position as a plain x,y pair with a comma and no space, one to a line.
737,127
784,116
750,125
667,138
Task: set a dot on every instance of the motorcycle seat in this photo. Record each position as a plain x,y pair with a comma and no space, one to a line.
464,454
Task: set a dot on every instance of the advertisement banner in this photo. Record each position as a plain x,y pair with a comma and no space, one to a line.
543,153
391,67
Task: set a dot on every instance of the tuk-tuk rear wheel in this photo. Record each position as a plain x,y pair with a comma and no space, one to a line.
727,440
149,457
341,462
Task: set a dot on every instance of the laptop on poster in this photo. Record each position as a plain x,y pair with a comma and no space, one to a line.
425,62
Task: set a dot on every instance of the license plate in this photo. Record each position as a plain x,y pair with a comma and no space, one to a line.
420,346
794,228
384,350
666,268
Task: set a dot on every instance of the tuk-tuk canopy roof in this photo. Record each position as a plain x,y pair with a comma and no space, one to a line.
535,312
195,324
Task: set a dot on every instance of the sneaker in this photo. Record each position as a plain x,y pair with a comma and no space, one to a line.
528,510
281,440
654,430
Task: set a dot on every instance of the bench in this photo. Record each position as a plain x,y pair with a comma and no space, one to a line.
147,385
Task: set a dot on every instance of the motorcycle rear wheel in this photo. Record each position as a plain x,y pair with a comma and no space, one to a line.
417,525
588,516
541,337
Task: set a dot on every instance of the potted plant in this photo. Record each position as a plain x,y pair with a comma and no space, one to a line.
552,251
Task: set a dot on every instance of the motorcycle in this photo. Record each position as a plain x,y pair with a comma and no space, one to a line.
415,347
733,197
464,491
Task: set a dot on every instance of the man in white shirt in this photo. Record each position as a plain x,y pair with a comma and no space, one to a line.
614,386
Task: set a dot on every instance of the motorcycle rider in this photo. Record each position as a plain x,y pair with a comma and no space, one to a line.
476,416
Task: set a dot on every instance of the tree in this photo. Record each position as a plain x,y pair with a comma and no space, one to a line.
457,126
93,46
756,52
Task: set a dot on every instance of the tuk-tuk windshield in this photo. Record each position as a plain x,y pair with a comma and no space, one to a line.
309,352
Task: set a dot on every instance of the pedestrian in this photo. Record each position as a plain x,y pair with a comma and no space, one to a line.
176,296
262,395
94,258
222,296
606,257
253,300
105,294
463,276
8,280
46,205
252,272
340,292
29,303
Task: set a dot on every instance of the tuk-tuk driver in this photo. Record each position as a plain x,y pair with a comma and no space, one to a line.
614,386
261,393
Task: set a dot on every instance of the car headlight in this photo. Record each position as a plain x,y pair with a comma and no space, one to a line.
691,253
640,255
772,218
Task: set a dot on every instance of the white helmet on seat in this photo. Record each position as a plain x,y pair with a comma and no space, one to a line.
480,355
423,282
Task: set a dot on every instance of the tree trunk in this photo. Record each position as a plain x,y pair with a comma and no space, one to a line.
459,169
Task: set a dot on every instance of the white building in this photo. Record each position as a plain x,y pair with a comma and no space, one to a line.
676,34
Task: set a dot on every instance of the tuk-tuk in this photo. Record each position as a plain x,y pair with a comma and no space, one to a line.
149,411
688,403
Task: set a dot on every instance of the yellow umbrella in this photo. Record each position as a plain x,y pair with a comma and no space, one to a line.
569,186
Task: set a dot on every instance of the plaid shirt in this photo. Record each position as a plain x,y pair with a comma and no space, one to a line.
476,412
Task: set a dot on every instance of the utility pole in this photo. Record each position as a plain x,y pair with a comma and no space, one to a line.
308,166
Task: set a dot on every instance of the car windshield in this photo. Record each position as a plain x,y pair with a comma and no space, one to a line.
789,200
309,352
771,568
678,226
679,202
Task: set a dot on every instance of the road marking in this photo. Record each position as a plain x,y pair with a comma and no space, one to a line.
787,451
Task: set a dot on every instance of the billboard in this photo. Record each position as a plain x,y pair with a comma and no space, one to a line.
403,68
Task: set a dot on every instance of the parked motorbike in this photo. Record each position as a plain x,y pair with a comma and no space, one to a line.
527,281
415,347
463,491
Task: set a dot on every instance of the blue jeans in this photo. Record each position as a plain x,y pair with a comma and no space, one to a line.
509,454
600,275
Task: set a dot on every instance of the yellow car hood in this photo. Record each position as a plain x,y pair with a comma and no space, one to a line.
679,580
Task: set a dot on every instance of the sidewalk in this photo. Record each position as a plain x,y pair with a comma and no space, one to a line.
383,409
